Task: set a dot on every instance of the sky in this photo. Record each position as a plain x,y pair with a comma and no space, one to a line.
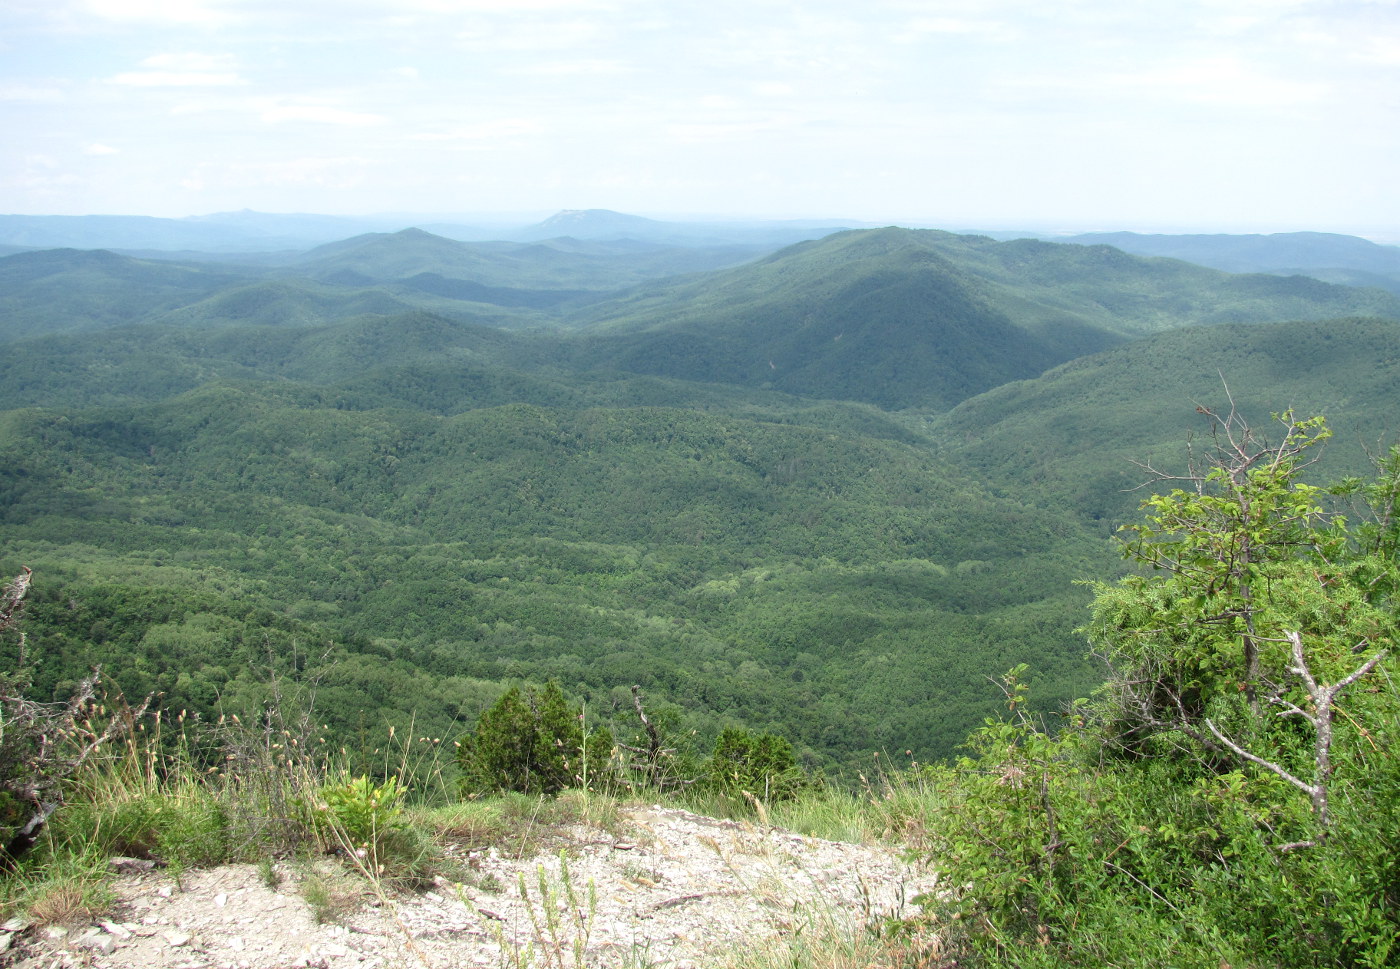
1059,115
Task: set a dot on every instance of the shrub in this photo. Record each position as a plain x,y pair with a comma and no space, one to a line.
533,742
1232,794
760,765
361,813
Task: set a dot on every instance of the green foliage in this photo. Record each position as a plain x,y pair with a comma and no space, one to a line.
758,765
295,481
1252,819
796,568
361,813
907,318
1258,594
533,742
367,823
1073,437
1222,554
1071,859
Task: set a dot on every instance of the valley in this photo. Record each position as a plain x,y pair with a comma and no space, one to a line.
828,490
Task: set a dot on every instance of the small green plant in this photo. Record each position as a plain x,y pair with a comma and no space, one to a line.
268,873
62,891
561,941
331,894
361,814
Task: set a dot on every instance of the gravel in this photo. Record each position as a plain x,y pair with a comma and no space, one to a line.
662,888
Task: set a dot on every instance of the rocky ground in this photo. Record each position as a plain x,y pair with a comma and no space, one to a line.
660,887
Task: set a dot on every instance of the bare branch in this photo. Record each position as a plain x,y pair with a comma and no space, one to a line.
1253,759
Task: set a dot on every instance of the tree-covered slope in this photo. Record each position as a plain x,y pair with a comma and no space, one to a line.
863,316
736,489
802,578
1302,252
1070,436
151,362
559,264
70,290
905,318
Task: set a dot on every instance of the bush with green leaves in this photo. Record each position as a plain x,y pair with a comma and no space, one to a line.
762,766
1231,796
533,741
361,813
366,821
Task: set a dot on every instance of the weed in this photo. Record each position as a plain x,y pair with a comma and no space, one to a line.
65,891
558,941
268,873
331,893
360,815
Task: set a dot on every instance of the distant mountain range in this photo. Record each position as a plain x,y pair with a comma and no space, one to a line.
1328,256
1324,255
247,231
895,317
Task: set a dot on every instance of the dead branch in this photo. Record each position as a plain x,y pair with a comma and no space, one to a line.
43,745
1324,707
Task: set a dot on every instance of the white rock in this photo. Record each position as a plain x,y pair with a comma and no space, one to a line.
177,939
98,941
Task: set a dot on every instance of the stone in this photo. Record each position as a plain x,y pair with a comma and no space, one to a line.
98,941
130,866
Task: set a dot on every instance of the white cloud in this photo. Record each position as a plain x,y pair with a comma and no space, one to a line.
28,92
319,114
1224,81
337,173
189,61
162,11
487,131
701,132
957,26
1379,50
529,35
572,68
183,69
175,79
97,148
501,6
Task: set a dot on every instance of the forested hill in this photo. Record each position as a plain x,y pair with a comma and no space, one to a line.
827,493
895,317
1322,255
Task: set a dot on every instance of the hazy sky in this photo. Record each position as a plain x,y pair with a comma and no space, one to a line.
1236,115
